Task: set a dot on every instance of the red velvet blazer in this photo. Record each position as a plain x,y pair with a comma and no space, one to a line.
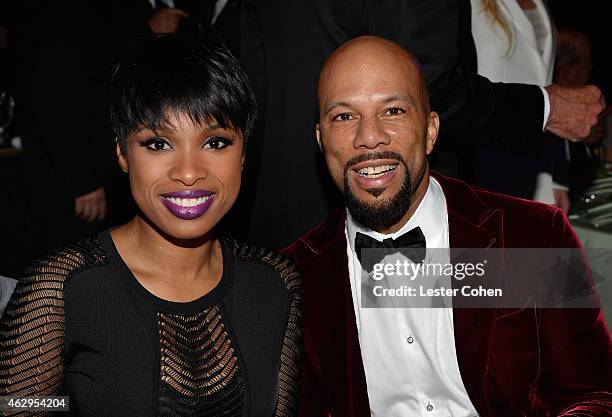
525,362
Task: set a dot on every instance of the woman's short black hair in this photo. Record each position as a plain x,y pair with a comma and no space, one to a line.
168,75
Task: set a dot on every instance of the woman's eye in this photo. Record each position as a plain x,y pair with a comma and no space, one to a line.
394,111
343,117
217,142
156,144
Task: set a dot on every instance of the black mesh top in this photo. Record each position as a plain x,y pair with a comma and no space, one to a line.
80,324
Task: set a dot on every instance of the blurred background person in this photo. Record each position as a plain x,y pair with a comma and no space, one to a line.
592,19
574,63
574,68
66,151
515,43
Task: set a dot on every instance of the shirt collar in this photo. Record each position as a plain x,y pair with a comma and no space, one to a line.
431,216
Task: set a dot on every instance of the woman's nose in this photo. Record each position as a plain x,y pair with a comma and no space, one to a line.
189,167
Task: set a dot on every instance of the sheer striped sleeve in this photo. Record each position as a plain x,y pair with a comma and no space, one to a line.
32,327
290,369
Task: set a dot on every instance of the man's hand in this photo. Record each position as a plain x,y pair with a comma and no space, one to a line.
166,20
574,111
92,206
562,199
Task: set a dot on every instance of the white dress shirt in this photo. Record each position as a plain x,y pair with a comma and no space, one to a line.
409,354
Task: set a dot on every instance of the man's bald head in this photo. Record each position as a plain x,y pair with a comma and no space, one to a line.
375,130
366,53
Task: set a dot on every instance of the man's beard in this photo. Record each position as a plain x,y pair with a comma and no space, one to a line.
384,213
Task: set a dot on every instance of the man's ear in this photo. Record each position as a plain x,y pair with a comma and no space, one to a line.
123,164
318,133
433,125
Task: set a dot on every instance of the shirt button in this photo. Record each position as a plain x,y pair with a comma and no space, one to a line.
410,340
429,407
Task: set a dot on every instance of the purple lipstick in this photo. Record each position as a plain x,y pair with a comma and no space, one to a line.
188,204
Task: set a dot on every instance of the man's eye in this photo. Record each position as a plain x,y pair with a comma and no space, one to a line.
156,144
394,111
217,142
343,117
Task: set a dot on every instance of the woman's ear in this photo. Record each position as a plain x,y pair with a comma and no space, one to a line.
123,164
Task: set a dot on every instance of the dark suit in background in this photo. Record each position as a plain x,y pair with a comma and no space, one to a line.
67,147
285,43
515,173
128,20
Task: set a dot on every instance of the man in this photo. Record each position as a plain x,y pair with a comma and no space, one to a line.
284,45
375,131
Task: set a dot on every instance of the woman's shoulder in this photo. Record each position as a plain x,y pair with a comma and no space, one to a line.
64,263
266,263
38,298
33,324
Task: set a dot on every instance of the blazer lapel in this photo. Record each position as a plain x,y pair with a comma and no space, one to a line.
472,225
548,55
526,30
521,22
331,317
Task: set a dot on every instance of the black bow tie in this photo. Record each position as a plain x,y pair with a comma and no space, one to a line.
411,244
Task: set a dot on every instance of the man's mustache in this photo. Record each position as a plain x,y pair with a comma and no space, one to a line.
372,156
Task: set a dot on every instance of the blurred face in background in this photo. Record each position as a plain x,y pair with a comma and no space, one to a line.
573,59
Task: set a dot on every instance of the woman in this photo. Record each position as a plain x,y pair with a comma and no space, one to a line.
515,43
161,316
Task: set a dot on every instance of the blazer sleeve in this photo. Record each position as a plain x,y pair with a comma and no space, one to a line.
575,350
472,108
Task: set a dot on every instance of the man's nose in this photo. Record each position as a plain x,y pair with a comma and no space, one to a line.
188,167
371,134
